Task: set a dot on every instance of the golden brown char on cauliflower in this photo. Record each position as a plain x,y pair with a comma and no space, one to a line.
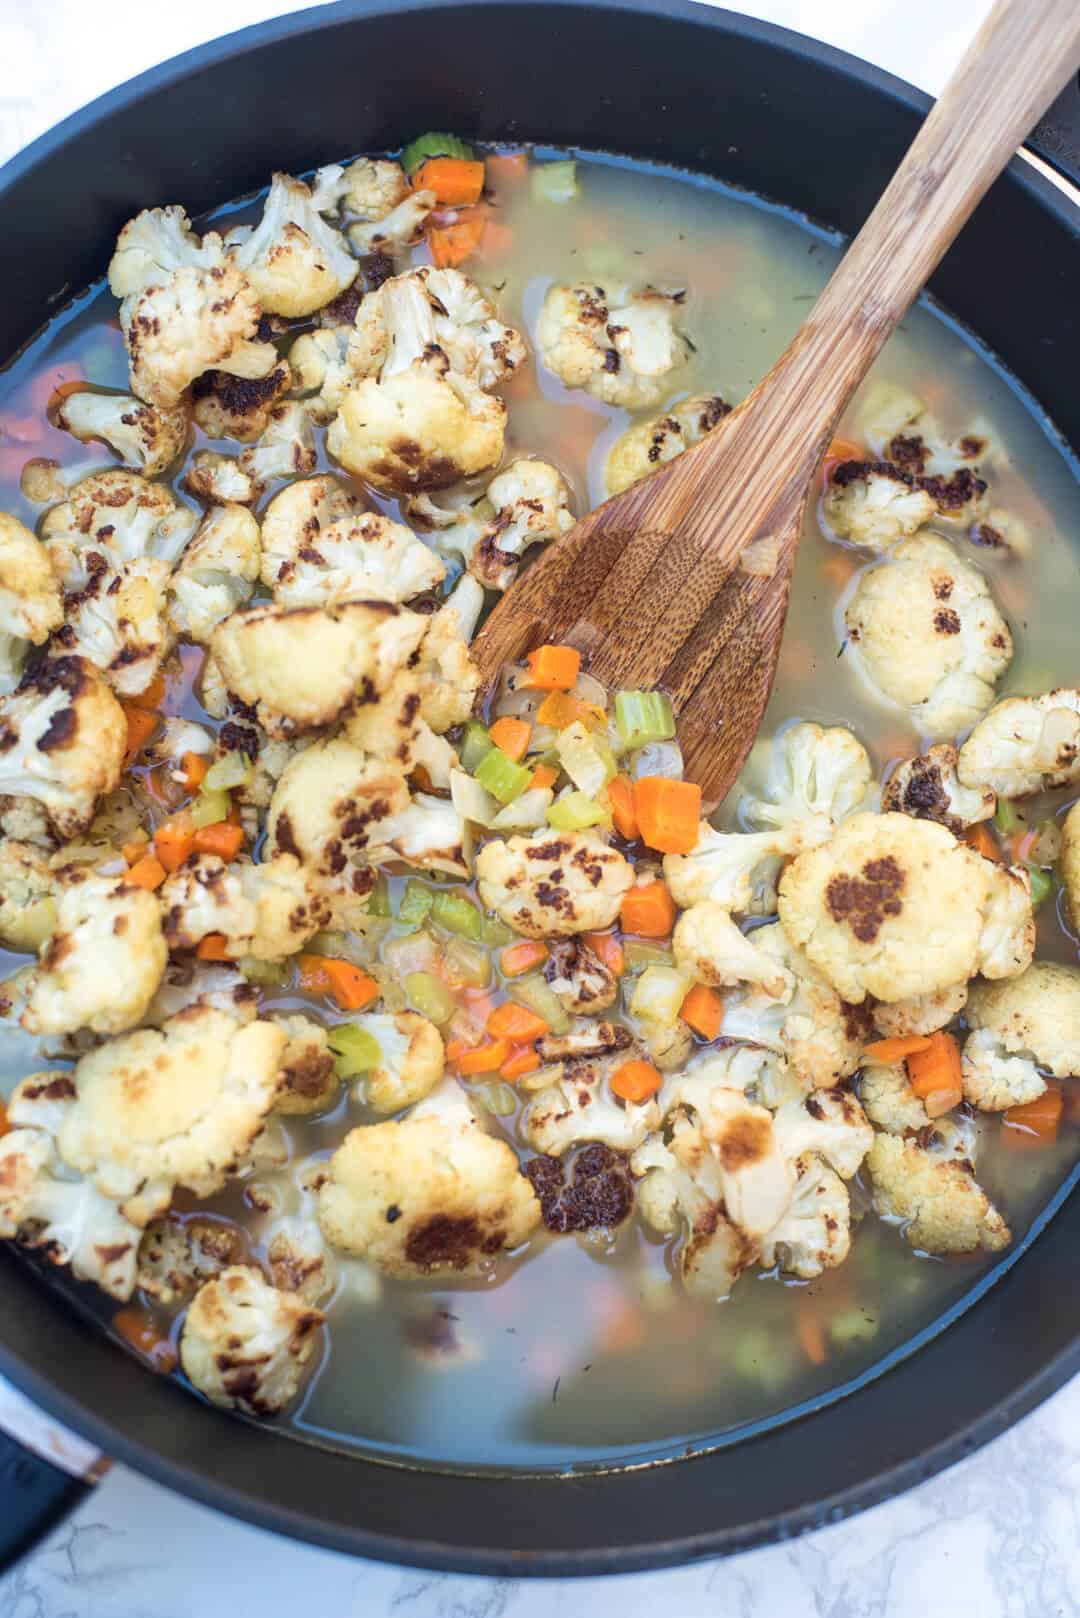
307,1078
109,519
929,788
292,258
1026,1024
578,977
145,437
365,557
411,1059
27,896
30,602
927,634
1025,745
461,321
217,572
527,504
895,907
63,737
268,911
650,444
284,449
933,1193
920,1013
217,479
553,883
875,503
710,948
177,1256
245,1344
623,346
240,407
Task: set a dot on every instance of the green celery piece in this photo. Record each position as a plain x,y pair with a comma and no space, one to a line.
575,812
379,898
430,997
534,992
476,744
497,1098
231,770
555,182
356,1050
1006,818
642,717
210,807
638,952
1042,884
416,902
458,915
265,974
432,145
498,774
495,932
468,963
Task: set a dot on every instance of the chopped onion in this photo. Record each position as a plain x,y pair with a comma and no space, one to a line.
659,758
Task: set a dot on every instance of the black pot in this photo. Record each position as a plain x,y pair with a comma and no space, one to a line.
760,108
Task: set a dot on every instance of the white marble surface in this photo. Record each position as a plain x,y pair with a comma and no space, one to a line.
998,1536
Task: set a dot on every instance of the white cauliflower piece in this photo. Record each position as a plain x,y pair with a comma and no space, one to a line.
929,788
394,729
155,1109
650,444
875,503
759,1074
461,320
927,634
449,679
1035,1015
103,962
933,1195
709,948
245,1344
1070,864
576,975
110,519
553,883
1025,745
293,259
679,1189
30,603
175,738
27,897
358,558
63,737
321,373
816,779
1007,943
527,504
185,307
577,1108
369,188
428,1193
829,1123
734,869
240,407
217,572
402,227
411,1059
176,1257
307,1078
993,1080
921,1013
285,448
298,515
119,623
624,347
199,983
145,437
218,479
888,1099
814,1233
299,1259
268,911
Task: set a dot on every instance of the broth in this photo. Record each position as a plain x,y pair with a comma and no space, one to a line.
579,1354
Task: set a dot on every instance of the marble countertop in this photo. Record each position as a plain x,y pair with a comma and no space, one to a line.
998,1536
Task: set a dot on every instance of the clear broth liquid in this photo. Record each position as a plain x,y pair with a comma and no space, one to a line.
577,1355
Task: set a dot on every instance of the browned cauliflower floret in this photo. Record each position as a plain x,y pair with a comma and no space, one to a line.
1025,745
933,1193
103,962
895,907
217,572
319,362
298,515
197,983
156,1109
899,429
1027,1024
875,503
553,884
1070,863
27,896
368,188
920,1013
143,436
623,346
710,948
889,1101
293,259
814,1233
218,479
927,634
402,227
462,322
410,1063
829,1123
426,1194
285,449
177,1256
527,504
578,977
929,788
307,1077
268,911
63,737
366,557
186,307
240,407
649,444
110,519
30,602
245,1344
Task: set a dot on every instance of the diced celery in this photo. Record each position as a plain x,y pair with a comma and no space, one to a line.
266,974
430,997
467,963
1006,818
327,942
476,744
432,145
497,1098
457,914
534,992
659,994
1045,847
379,898
555,182
586,758
643,716
231,770
356,1050
210,807
415,904
498,774
762,1356
1042,884
574,812
639,953
495,932
857,1324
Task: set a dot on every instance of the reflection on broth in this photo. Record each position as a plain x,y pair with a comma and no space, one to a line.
586,1350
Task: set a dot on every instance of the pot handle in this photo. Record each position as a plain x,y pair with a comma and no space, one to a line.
1056,137
45,1472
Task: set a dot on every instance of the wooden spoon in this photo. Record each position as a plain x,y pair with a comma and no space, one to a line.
656,587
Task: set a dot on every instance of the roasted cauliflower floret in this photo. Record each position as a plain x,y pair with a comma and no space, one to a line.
293,259
321,374
411,1059
814,1233
185,307
63,737
218,480
30,603
921,1013
1020,1026
462,323
299,514
929,788
367,189
449,679
217,572
245,1344
155,1109
733,869
680,1191
578,1107
285,449
1070,863
240,407
109,519
307,1078
268,911
888,1099
27,896
649,444
360,558
624,347
527,504
577,976
552,884
299,1259
402,227
895,907
829,1123
144,436
933,1195
176,1257
427,1194
306,667
816,778
120,624
709,948
994,1080
102,963
197,983
1025,745
928,635
875,503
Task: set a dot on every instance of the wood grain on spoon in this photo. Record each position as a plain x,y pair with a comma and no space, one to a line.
683,580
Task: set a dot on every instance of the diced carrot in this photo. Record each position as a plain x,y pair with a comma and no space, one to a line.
134,851
544,775
350,987
636,1081
648,910
214,947
886,1051
174,841
154,695
456,181
452,244
609,950
982,840
5,1124
507,166
561,709
141,725
668,813
456,1049
146,873
512,735
554,668
516,1023
934,1074
620,793
486,1058
810,1332
523,1060
222,839
139,1330
518,958
195,768
1038,1120
839,451
703,1009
